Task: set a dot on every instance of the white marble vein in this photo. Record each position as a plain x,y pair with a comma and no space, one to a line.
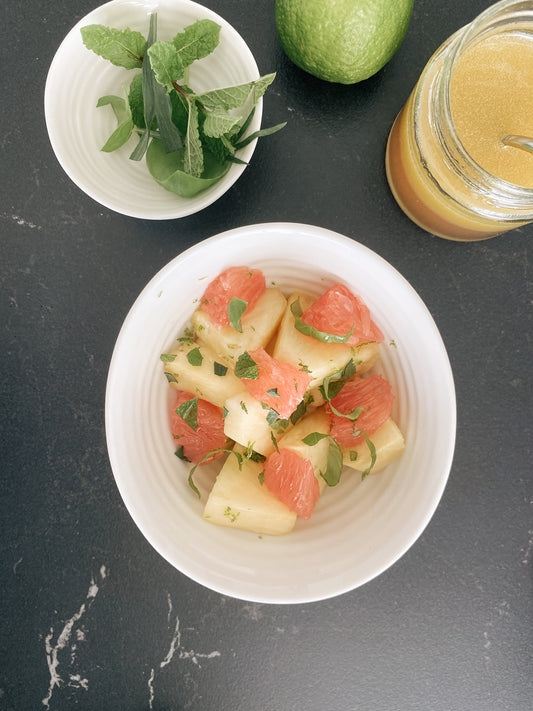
63,641
175,650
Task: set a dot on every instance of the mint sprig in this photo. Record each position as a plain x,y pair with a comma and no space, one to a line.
190,139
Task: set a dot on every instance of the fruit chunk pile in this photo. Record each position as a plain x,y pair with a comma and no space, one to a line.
279,389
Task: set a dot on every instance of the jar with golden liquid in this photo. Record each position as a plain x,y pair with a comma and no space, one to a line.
456,161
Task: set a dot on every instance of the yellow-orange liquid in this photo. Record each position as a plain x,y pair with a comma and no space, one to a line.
491,95
488,98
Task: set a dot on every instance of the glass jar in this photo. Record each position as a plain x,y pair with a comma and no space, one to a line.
431,168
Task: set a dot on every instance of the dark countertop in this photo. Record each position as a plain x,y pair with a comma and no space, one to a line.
85,598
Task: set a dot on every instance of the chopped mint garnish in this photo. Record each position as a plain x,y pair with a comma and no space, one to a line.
236,309
188,411
195,357
220,369
246,367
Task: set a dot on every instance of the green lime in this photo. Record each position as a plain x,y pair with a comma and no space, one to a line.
342,41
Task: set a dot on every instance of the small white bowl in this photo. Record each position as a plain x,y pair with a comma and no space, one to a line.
358,528
77,78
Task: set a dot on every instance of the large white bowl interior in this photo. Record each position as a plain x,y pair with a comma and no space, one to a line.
77,129
358,528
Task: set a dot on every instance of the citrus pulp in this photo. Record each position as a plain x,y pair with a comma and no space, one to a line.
235,282
292,480
206,434
338,311
374,396
281,386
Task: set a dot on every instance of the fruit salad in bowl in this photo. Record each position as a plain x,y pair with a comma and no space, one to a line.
279,389
290,413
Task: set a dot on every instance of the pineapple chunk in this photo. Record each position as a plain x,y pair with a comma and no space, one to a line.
316,421
389,444
245,422
319,359
258,327
239,500
186,372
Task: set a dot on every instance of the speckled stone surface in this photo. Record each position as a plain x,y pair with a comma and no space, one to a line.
91,617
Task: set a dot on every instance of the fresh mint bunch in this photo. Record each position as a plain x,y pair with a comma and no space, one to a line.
190,140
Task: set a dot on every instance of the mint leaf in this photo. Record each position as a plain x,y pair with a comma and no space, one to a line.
236,309
257,134
334,464
166,63
373,455
193,158
244,126
246,367
188,411
333,384
180,111
197,41
220,369
166,67
211,453
135,99
167,357
307,330
148,93
313,438
168,169
180,454
300,410
272,417
168,132
195,357
123,48
261,85
231,97
124,129
217,123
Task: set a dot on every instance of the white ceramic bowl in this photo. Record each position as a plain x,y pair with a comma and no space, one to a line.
77,129
358,528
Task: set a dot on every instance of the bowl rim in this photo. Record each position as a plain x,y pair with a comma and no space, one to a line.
202,576
183,206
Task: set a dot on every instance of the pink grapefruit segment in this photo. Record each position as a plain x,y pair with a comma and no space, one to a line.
239,282
279,385
337,311
291,479
208,435
373,395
